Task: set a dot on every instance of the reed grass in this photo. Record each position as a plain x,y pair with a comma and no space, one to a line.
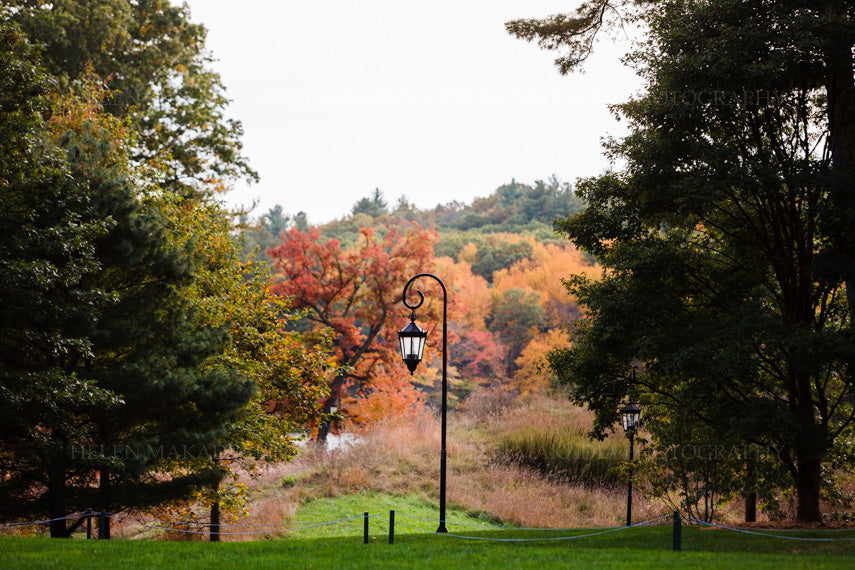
568,454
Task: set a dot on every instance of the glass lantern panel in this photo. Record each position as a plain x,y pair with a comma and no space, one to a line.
412,339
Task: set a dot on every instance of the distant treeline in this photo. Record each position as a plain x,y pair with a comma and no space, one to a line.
512,208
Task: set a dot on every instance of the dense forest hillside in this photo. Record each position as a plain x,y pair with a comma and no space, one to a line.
513,208
503,266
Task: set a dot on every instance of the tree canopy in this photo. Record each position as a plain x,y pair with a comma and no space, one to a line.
154,61
136,343
724,241
355,293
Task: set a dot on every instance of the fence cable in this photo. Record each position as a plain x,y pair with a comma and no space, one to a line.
769,534
398,513
143,521
539,529
601,531
286,528
45,521
187,531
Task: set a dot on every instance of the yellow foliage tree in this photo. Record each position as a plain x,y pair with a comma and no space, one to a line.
543,273
532,375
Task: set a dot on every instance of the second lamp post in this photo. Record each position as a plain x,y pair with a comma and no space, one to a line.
412,339
631,415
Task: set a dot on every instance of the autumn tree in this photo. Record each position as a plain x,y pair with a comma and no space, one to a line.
532,373
471,293
356,292
150,345
136,344
544,272
289,376
477,354
480,356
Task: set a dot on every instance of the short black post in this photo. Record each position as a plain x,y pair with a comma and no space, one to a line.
102,525
215,521
89,524
365,527
391,527
677,532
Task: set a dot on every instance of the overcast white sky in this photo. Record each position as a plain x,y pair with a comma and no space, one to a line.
430,99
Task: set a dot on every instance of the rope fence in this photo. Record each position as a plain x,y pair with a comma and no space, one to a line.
176,526
279,528
267,529
539,539
770,533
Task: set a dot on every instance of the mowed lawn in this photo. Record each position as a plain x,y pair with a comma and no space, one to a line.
642,547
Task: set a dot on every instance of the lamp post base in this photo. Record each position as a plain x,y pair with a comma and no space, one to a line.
442,528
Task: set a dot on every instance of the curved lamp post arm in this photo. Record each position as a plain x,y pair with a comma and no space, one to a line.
444,313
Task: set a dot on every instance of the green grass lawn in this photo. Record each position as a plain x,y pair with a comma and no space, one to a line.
413,516
487,545
644,547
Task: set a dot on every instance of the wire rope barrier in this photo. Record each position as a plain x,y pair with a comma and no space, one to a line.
600,530
294,526
45,521
175,526
770,535
225,529
493,527
606,530
284,529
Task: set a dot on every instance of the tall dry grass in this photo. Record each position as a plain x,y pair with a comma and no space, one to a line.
401,457
569,455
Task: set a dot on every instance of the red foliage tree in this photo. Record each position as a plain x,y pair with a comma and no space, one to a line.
356,293
481,355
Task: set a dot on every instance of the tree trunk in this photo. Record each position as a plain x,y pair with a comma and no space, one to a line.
335,396
808,479
751,506
57,527
750,493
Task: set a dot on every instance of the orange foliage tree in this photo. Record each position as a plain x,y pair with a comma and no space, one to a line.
470,292
477,356
544,273
356,293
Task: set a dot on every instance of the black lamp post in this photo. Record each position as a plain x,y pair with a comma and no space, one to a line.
412,339
631,416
